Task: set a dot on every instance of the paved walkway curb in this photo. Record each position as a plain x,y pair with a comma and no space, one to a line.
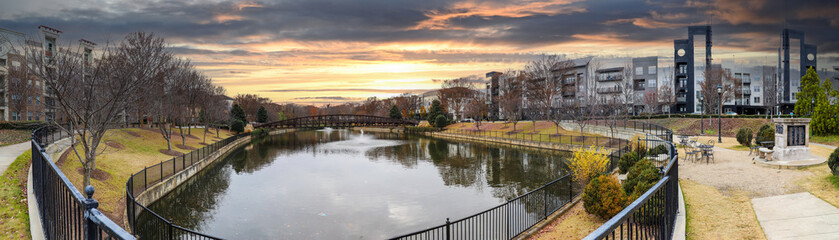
681,221
797,216
9,153
35,228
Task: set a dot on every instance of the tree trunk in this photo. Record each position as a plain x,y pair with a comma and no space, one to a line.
183,137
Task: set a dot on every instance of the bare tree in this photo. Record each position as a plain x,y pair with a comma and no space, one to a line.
770,99
510,100
476,109
666,96
716,76
544,88
454,94
651,102
628,88
94,93
586,105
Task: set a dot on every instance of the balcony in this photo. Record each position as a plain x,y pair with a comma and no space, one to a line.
747,92
568,93
681,99
747,81
568,82
607,90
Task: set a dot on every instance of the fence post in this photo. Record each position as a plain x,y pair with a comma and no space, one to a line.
145,178
545,193
90,231
448,230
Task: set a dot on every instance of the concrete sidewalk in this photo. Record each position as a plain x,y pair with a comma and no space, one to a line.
8,154
797,216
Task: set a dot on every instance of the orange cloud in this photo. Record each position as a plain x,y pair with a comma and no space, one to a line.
439,19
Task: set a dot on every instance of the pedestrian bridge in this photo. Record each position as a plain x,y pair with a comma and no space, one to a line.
337,120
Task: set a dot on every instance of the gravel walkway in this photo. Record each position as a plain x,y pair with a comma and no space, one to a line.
734,170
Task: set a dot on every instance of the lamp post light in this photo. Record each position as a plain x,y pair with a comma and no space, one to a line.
701,115
812,106
719,117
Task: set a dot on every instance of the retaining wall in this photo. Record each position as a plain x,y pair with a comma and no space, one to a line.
160,189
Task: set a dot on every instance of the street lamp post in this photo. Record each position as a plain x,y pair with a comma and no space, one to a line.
701,115
812,106
719,117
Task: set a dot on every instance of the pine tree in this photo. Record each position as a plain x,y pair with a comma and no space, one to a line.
395,113
435,110
262,115
237,113
810,90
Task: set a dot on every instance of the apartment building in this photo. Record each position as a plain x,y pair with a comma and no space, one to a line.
24,97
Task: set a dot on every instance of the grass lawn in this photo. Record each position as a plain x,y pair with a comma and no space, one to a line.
14,215
12,136
692,126
139,148
574,224
832,140
712,215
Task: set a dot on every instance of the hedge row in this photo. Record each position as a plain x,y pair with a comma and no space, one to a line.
658,116
23,125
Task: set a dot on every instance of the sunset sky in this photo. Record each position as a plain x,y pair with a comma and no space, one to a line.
313,51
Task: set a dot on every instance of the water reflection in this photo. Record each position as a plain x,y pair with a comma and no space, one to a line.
340,185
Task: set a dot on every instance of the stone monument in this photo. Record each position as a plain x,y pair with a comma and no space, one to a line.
792,144
792,139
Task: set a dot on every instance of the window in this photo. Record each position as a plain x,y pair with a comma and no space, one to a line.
651,70
29,116
29,99
37,100
639,70
652,83
757,99
683,68
15,116
757,89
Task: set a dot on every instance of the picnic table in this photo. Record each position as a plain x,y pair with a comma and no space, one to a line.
706,151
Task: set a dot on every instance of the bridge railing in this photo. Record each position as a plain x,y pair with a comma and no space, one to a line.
65,213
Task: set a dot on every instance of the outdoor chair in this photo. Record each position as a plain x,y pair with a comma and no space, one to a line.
691,153
754,149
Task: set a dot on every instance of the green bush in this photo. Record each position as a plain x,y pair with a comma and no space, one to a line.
259,132
765,133
642,173
237,126
660,149
744,136
833,162
603,197
22,125
441,121
420,129
627,161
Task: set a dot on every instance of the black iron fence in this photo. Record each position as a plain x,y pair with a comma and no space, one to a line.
516,216
653,215
65,212
157,227
507,220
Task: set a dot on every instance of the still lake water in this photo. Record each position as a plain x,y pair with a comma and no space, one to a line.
338,184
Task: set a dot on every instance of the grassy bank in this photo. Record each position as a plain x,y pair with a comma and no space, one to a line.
12,136
574,224
126,151
14,215
692,126
525,130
